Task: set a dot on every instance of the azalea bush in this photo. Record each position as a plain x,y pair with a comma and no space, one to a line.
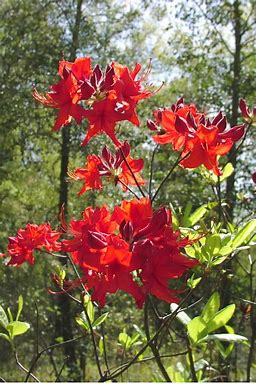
153,253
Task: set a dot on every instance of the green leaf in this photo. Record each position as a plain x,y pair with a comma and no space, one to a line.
244,233
90,311
219,260
227,171
192,282
178,374
10,314
213,244
142,334
225,250
195,328
101,346
190,251
230,338
124,339
187,211
20,306
16,328
197,215
225,352
59,339
3,318
211,307
134,338
82,321
4,336
221,318
100,319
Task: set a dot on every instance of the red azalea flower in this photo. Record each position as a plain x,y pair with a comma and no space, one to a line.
111,166
112,280
89,174
102,119
63,97
129,90
190,132
66,94
81,68
248,115
116,166
111,97
22,246
114,97
156,248
89,237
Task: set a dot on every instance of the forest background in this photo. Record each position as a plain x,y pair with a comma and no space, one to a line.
203,51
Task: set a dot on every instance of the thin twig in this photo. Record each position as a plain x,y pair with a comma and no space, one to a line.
132,173
37,328
179,159
253,329
166,322
61,369
151,171
24,369
88,320
104,348
152,345
129,189
191,361
49,348
145,359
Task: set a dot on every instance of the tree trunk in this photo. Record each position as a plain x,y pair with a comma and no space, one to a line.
64,322
232,157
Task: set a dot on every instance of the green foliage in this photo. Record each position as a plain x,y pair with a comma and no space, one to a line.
13,327
212,319
84,318
128,341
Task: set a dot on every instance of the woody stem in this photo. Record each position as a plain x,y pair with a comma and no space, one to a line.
129,189
88,320
179,159
151,171
153,346
132,173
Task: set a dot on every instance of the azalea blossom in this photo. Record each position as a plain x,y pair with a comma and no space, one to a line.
119,167
199,139
104,98
248,114
33,237
133,249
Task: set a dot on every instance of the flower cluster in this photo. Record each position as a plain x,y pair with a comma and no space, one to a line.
34,237
119,167
109,97
134,249
199,139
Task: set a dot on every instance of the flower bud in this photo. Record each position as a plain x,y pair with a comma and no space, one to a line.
97,240
151,125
